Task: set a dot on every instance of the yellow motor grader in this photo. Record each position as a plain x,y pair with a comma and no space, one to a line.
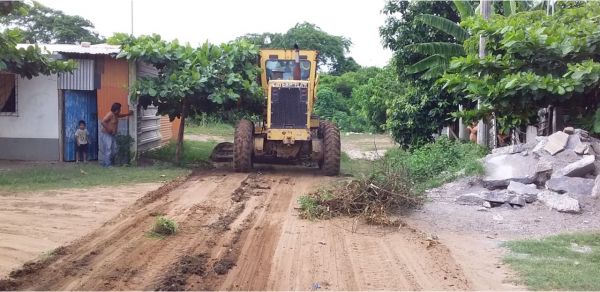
289,132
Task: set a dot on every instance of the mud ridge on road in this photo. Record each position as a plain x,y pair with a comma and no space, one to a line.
120,255
28,271
220,253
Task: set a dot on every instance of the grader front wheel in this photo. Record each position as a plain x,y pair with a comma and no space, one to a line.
243,146
330,164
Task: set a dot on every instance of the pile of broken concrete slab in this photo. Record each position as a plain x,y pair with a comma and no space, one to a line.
559,171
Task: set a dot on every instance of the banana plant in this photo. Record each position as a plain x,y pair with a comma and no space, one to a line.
439,53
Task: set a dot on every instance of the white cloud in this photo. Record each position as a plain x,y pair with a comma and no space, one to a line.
223,20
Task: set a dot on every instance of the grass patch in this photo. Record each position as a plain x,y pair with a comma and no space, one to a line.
561,262
210,128
195,153
312,207
437,163
50,177
163,226
355,167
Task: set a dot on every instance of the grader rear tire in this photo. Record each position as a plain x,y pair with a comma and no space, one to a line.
243,146
330,165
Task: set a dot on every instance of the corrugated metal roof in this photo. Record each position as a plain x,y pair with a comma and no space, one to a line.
99,49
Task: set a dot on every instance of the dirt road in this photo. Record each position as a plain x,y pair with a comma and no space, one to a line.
242,232
33,223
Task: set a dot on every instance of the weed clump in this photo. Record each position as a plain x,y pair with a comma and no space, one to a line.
395,183
164,226
375,198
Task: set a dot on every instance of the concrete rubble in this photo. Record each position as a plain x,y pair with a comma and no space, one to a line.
556,142
559,202
527,192
559,171
579,168
499,197
596,188
470,199
509,167
573,185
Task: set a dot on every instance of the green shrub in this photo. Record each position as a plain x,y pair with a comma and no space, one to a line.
123,155
439,162
164,226
195,153
310,207
374,198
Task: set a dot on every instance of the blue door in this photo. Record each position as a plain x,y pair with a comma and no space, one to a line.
80,105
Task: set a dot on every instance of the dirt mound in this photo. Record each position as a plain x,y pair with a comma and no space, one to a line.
188,265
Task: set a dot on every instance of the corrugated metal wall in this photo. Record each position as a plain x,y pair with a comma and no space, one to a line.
82,78
175,128
153,131
149,124
148,129
114,85
146,70
166,133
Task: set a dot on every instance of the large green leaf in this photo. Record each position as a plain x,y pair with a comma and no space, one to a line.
596,125
435,72
464,8
510,7
428,63
438,48
444,25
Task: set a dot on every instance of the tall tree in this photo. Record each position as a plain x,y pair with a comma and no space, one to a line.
332,49
42,24
28,62
192,80
402,28
410,107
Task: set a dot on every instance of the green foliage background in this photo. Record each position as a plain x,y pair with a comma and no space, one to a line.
533,61
26,62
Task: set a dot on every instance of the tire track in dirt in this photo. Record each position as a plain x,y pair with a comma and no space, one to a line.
120,255
261,239
242,232
284,252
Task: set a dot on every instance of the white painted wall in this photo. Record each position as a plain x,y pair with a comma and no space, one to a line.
37,110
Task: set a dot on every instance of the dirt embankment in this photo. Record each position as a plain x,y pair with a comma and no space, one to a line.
242,232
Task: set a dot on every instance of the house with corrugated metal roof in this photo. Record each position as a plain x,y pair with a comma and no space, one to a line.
39,116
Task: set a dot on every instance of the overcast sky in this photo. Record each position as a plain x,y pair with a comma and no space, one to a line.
222,20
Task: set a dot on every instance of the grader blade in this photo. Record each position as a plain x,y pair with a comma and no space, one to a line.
223,152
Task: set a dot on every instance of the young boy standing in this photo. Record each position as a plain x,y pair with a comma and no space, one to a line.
81,136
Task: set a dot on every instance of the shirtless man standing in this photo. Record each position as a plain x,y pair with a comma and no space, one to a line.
110,124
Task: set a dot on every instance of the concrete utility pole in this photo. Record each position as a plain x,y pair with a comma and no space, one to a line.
482,131
462,129
131,17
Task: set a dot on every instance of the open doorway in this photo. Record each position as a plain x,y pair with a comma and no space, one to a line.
80,105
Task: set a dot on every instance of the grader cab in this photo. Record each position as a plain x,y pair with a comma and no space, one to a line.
289,133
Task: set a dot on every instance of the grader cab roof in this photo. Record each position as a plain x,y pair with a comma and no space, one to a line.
268,64
287,54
